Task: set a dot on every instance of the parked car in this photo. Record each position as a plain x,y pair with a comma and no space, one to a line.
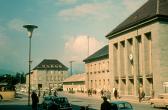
121,105
60,103
47,100
161,101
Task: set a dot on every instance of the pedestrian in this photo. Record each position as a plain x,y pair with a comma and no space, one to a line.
115,93
109,95
39,93
106,105
102,93
44,94
55,93
142,95
35,100
50,93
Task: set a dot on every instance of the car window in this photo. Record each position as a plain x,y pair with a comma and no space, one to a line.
127,105
114,107
46,98
121,106
124,106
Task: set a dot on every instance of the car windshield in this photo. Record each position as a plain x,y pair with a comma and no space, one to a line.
47,98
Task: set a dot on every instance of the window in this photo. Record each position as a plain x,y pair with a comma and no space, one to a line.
108,81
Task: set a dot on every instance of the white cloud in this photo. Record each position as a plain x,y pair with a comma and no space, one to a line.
96,10
132,5
76,48
16,24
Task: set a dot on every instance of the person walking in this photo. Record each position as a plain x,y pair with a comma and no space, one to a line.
115,93
35,100
55,93
106,105
109,95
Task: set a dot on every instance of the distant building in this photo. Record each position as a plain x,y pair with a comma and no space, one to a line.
48,74
75,83
138,50
98,76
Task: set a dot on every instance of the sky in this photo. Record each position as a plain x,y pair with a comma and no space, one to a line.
64,27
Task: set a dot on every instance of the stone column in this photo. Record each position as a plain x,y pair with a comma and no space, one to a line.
126,67
111,65
135,67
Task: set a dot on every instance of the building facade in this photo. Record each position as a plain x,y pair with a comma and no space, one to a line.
48,74
138,51
97,70
75,83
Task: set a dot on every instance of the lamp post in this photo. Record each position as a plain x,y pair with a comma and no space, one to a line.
71,66
30,29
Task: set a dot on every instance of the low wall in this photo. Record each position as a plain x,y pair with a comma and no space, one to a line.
7,95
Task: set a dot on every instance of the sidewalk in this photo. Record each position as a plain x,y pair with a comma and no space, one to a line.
98,97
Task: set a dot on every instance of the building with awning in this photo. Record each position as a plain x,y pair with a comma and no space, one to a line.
75,83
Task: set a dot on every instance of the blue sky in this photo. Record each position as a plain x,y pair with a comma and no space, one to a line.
63,27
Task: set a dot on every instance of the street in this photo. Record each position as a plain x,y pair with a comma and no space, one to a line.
95,103
76,100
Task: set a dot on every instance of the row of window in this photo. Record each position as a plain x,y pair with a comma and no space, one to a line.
93,67
52,66
103,71
97,83
56,78
55,72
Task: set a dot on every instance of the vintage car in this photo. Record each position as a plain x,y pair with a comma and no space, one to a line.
47,100
60,103
161,101
121,105
7,92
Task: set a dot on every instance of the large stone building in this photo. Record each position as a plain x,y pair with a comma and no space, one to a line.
138,50
97,70
48,74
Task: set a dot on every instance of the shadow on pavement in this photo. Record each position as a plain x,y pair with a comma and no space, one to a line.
77,107
15,107
26,107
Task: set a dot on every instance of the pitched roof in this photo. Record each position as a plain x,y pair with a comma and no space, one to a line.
100,54
150,10
51,64
76,78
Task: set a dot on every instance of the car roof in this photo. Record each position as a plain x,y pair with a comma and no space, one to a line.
119,102
61,97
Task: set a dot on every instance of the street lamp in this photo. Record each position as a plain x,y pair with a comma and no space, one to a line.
30,29
71,65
